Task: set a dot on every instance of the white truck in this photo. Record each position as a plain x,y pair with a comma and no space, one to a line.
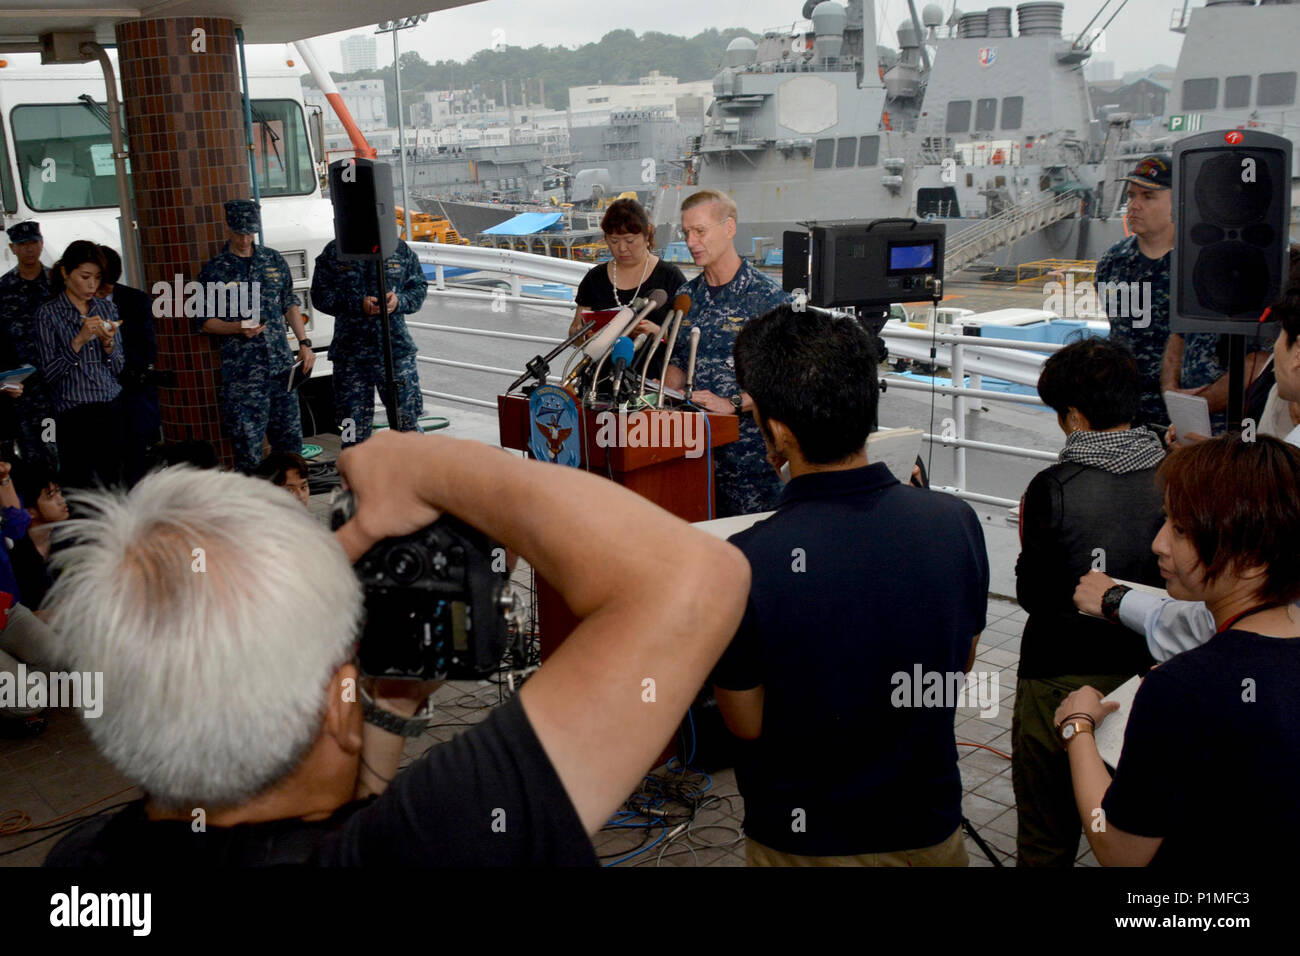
57,167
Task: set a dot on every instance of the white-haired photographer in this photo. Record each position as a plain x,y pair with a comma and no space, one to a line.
224,619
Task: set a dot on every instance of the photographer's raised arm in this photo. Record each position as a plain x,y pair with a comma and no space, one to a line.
658,600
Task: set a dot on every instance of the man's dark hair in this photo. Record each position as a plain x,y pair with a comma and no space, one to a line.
814,373
277,465
112,266
1097,377
1239,503
31,478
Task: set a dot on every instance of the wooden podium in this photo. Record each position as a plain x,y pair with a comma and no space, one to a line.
665,475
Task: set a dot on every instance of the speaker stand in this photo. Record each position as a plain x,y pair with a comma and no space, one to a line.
390,380
1236,380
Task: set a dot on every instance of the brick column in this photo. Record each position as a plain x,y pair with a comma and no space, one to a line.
185,129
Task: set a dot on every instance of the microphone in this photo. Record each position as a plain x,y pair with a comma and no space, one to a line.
672,341
621,354
690,363
540,368
657,298
681,305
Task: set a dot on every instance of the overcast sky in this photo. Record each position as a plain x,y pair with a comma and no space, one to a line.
1138,38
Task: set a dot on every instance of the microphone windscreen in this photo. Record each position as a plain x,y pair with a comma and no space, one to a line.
682,303
623,350
659,297
600,343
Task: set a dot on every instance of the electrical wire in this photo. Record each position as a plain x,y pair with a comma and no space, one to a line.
965,743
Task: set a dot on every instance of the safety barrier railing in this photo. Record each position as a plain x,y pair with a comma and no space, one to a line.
1010,360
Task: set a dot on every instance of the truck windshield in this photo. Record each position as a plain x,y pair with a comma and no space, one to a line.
65,153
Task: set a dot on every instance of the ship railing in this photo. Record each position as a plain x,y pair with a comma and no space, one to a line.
974,358
970,357
514,267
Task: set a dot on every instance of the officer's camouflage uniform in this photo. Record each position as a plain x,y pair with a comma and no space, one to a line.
746,482
22,419
338,287
254,397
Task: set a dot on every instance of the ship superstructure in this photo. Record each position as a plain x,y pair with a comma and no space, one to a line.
986,128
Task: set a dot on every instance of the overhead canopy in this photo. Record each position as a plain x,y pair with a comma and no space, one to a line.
525,224
264,21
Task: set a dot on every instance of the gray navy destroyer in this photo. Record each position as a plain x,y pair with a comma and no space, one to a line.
989,132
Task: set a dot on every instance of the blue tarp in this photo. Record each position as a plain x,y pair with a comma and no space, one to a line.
525,224
448,272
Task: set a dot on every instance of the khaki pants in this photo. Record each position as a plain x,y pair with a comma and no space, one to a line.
27,639
951,852
1047,817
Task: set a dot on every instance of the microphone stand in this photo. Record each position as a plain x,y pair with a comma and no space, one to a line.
540,366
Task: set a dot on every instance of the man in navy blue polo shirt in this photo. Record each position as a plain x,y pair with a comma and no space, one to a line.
867,601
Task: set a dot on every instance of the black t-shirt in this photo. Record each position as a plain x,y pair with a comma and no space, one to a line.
843,601
490,797
1211,759
596,292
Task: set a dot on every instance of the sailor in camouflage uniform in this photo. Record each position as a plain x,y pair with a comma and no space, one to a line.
1141,262
346,289
254,362
724,296
22,289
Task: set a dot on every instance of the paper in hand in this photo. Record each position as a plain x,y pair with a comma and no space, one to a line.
1110,732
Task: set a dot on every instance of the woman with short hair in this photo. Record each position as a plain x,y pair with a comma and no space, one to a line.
81,358
1210,771
1098,508
633,272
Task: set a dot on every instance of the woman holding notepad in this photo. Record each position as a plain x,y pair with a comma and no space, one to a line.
81,357
1210,771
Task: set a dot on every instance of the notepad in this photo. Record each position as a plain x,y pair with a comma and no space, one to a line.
1110,732
1189,413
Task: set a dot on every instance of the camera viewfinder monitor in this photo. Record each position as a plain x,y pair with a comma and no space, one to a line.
909,258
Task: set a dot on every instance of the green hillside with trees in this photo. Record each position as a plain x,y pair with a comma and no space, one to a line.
619,57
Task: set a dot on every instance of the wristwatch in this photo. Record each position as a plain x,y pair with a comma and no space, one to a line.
387,720
306,342
1110,602
736,402
1075,726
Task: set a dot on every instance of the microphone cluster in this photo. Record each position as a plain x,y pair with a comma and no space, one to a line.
613,367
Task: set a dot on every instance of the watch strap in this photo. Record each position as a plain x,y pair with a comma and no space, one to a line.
306,342
1110,602
1077,727
387,720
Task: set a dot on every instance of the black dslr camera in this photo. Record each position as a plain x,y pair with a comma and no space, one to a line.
438,602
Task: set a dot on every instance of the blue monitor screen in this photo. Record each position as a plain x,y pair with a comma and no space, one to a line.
912,256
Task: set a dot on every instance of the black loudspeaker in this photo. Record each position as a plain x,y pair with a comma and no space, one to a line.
365,220
1232,220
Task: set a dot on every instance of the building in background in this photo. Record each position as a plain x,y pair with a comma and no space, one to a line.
653,92
366,100
1099,70
1143,99
358,52
440,108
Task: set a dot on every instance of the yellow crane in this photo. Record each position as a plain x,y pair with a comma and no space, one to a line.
426,227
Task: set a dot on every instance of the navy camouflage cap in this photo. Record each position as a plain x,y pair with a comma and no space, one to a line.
27,231
1152,172
242,215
